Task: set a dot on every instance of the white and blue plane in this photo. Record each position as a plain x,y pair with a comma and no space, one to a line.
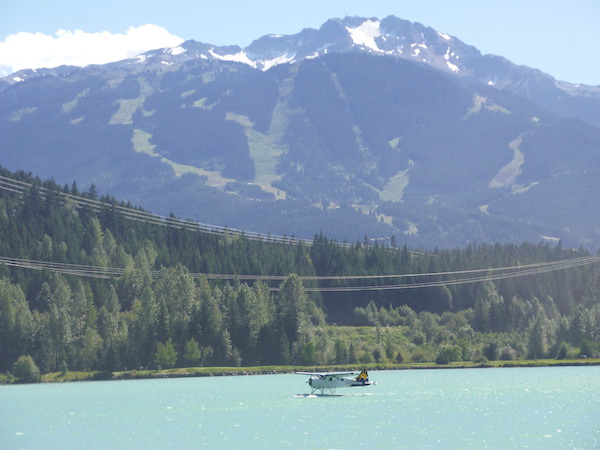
330,381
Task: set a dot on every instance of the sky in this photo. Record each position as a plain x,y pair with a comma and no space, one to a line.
559,37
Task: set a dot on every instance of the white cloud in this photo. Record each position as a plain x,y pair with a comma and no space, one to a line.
78,48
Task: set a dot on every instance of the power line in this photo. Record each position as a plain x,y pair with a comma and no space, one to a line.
451,278
21,187
463,277
565,264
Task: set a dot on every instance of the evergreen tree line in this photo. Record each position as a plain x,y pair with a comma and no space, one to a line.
158,314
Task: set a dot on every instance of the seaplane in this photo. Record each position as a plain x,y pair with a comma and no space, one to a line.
330,381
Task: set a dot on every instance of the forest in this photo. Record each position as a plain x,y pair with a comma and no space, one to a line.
85,286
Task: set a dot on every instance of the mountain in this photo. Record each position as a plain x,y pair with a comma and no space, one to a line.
363,127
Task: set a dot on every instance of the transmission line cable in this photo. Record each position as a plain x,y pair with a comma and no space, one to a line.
463,277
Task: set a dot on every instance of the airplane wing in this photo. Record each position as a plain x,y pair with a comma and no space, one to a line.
328,374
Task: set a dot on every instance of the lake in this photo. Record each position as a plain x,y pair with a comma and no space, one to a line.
556,407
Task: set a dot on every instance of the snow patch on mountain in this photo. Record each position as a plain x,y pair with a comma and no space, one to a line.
365,34
240,57
177,50
452,67
283,59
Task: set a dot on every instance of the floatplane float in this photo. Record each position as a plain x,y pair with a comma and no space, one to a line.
330,381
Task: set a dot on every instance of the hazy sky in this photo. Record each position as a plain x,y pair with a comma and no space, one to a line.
559,37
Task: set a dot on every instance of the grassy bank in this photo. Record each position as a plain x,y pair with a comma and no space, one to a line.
262,370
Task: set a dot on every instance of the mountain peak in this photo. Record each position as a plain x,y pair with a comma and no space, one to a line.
390,36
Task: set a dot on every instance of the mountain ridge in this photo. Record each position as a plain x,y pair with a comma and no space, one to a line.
390,36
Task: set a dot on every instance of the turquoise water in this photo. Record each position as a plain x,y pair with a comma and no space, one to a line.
475,408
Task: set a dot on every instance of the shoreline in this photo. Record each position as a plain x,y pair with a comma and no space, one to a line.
58,377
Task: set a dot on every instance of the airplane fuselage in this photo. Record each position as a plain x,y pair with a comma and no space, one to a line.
330,382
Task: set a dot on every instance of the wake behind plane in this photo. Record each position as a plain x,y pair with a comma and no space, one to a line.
330,381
